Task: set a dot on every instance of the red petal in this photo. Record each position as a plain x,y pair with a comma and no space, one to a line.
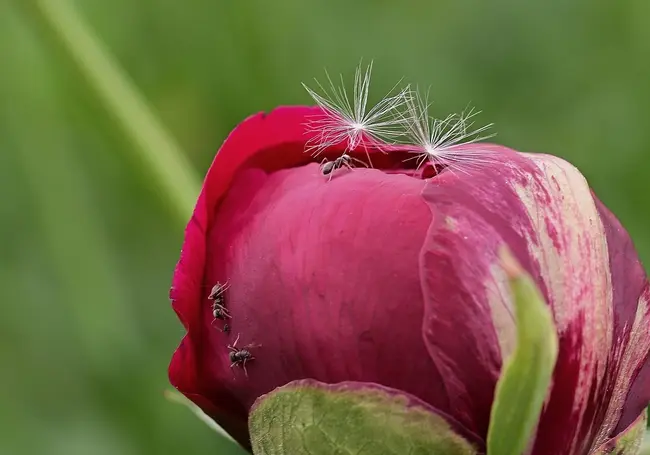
249,141
312,264
324,275
471,215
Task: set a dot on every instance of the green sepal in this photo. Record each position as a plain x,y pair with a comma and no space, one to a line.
627,442
526,375
311,418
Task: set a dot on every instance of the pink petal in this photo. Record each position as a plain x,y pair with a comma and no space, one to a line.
254,140
324,275
276,225
464,290
542,208
251,141
629,369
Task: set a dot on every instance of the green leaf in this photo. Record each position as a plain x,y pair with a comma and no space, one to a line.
629,442
311,418
526,375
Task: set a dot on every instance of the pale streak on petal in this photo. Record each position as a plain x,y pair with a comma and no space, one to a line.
566,203
568,242
499,298
629,442
631,360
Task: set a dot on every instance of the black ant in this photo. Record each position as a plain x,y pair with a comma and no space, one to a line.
239,357
220,312
217,295
226,328
345,160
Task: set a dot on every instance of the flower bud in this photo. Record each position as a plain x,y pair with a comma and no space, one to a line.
383,275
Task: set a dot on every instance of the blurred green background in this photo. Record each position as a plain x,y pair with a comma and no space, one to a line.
88,239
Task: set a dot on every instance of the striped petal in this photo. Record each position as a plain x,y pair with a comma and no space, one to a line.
542,208
629,441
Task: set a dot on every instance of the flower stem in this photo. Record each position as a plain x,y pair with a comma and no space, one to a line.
155,149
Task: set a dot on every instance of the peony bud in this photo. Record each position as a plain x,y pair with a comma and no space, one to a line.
379,275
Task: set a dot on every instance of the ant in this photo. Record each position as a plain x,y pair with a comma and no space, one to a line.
239,356
217,295
220,312
345,160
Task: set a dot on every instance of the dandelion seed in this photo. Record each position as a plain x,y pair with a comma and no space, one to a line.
349,121
440,141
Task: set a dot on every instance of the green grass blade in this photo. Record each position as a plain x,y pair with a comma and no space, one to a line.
155,150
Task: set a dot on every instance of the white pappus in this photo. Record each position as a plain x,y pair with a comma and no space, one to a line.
440,141
399,122
349,120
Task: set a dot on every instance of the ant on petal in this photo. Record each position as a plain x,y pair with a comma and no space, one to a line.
218,297
240,356
345,160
